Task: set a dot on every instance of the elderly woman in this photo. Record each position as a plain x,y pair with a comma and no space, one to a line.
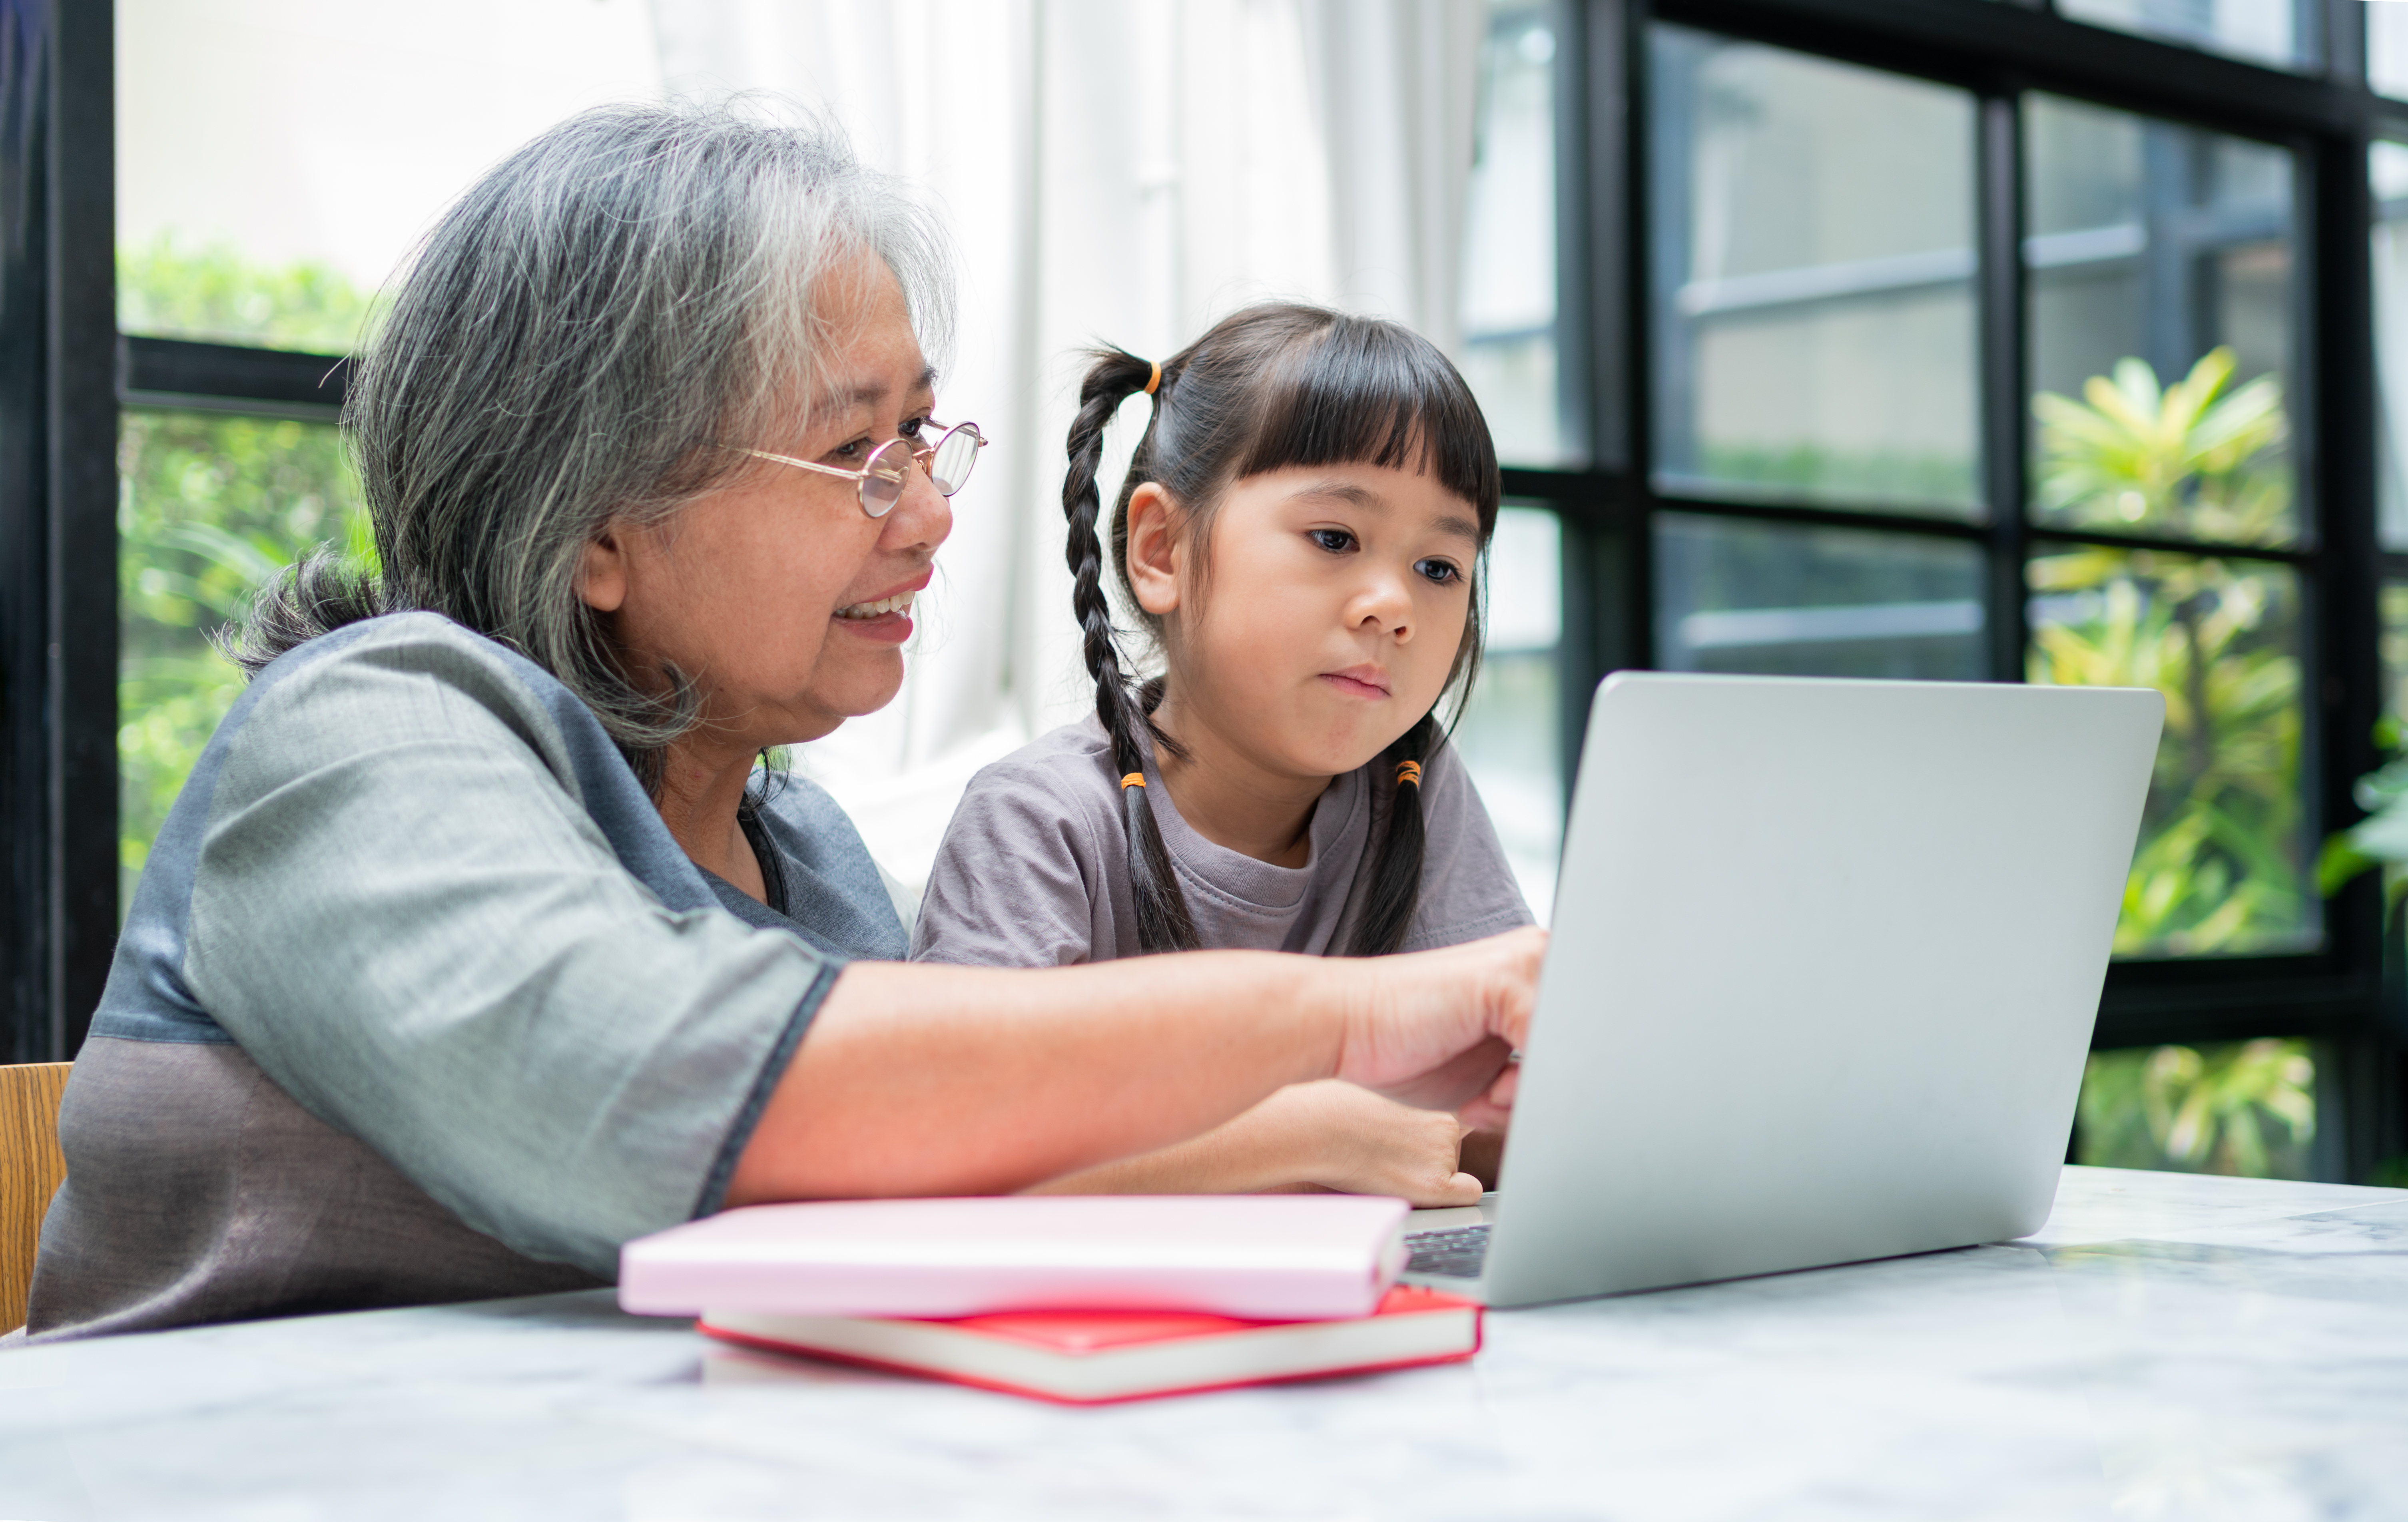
477,945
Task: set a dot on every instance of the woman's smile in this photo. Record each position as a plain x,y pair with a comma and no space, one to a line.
886,619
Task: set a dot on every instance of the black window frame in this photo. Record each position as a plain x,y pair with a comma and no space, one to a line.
58,540
65,372
2001,50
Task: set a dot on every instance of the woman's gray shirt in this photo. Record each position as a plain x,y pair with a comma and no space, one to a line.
419,1000
1034,867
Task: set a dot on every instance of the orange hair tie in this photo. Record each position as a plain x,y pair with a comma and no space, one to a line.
1155,379
1134,779
1409,771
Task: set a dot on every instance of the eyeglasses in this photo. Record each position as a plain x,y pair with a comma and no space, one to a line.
948,462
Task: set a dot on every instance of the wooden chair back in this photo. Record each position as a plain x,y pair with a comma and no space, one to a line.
31,1170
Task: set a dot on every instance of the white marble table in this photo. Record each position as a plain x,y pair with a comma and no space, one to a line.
2168,1348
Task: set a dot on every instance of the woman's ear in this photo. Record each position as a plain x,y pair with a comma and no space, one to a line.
1154,549
602,573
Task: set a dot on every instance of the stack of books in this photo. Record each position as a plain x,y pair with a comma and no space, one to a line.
1079,1298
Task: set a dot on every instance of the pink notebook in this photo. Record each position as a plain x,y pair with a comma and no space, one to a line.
1261,1258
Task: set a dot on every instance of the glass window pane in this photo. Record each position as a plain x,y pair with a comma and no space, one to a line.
208,506
1813,266
2160,261
2388,176
1509,736
2386,48
2221,866
2246,1108
2260,31
1737,595
1508,254
275,159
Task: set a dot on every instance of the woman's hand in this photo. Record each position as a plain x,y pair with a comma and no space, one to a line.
1436,1029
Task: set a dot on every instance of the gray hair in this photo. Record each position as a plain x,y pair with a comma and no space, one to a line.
571,344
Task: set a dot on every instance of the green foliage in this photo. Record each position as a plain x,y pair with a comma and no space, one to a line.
2381,839
180,290
2218,868
2247,1108
209,509
2190,458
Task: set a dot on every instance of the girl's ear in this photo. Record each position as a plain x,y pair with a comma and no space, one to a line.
602,573
1154,549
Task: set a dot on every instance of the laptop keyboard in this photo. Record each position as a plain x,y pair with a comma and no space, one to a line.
1454,1253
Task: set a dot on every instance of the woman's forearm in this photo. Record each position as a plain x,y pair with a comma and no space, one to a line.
919,1079
925,1080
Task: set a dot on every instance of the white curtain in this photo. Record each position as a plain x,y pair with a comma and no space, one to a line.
1112,170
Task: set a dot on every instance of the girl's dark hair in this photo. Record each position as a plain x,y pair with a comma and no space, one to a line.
1272,386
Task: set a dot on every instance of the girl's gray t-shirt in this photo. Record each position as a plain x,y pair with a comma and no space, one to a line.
1034,867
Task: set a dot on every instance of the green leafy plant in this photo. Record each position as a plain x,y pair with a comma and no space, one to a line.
2193,457
2219,865
2247,1108
210,508
2381,839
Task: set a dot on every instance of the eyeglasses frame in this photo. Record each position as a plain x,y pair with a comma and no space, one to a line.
861,478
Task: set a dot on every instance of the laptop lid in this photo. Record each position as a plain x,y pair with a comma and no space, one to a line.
1825,959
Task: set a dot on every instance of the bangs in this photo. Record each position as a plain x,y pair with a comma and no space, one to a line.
1367,392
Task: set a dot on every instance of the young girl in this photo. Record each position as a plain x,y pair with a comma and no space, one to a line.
1298,529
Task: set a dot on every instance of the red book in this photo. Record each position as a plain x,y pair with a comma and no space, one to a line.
1083,1357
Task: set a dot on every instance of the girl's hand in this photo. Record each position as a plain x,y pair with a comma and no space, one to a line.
1340,1136
1326,1134
1436,1029
1483,1155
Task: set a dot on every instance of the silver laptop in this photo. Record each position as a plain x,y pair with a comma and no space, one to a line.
1824,962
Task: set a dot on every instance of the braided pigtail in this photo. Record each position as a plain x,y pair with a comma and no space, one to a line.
1163,923
1397,875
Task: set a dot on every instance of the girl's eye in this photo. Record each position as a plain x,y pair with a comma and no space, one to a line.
1336,540
1442,572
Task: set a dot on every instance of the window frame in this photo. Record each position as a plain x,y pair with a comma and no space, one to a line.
58,540
1999,51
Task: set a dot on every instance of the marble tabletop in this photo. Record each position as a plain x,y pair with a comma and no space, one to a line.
2166,1347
